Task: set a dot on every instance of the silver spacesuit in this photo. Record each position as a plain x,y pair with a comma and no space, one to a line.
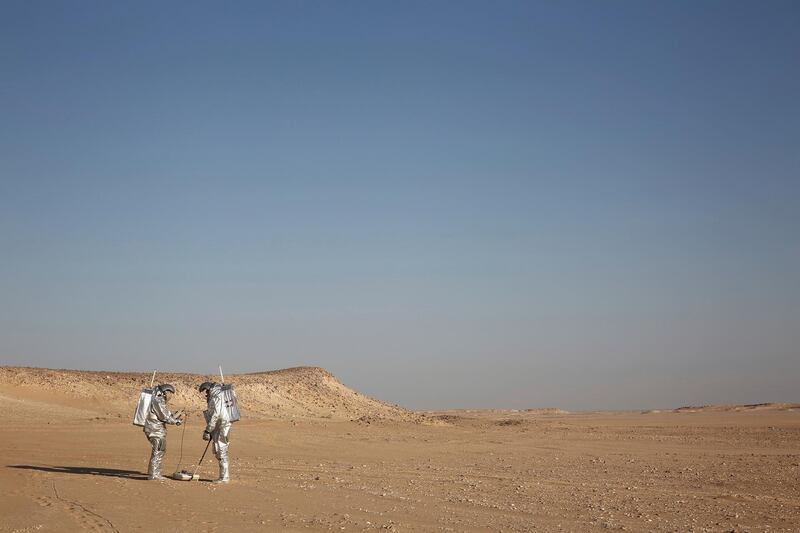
218,427
155,429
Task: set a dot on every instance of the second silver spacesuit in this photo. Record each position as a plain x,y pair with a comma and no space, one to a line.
155,428
218,427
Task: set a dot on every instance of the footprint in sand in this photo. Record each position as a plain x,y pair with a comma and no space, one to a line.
87,519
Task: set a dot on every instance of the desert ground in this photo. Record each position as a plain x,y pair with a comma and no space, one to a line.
311,454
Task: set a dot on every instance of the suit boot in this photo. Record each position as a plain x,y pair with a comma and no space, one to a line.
224,472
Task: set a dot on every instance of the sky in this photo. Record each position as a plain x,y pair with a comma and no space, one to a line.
584,205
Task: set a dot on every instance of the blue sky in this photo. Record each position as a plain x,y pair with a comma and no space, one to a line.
446,204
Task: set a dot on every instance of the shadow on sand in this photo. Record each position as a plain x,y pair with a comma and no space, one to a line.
84,470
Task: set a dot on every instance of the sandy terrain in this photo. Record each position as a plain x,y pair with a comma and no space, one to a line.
311,454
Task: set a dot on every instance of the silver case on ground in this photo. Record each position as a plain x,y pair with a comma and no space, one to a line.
143,407
230,402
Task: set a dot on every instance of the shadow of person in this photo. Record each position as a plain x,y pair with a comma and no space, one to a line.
84,470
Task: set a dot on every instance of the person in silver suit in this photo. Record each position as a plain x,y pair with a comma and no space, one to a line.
155,428
218,427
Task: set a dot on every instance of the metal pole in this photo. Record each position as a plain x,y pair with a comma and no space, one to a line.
201,459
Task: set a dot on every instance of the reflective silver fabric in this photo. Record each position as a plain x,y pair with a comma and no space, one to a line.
156,432
156,456
142,407
216,412
231,402
219,425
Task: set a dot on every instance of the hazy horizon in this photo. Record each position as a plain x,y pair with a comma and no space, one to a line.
452,204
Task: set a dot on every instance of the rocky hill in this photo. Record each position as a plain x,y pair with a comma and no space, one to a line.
302,392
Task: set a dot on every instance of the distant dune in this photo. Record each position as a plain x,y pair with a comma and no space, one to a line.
747,407
302,392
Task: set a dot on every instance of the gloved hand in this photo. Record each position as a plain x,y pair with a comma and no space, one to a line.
206,435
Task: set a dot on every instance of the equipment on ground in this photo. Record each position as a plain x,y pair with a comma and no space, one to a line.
185,475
